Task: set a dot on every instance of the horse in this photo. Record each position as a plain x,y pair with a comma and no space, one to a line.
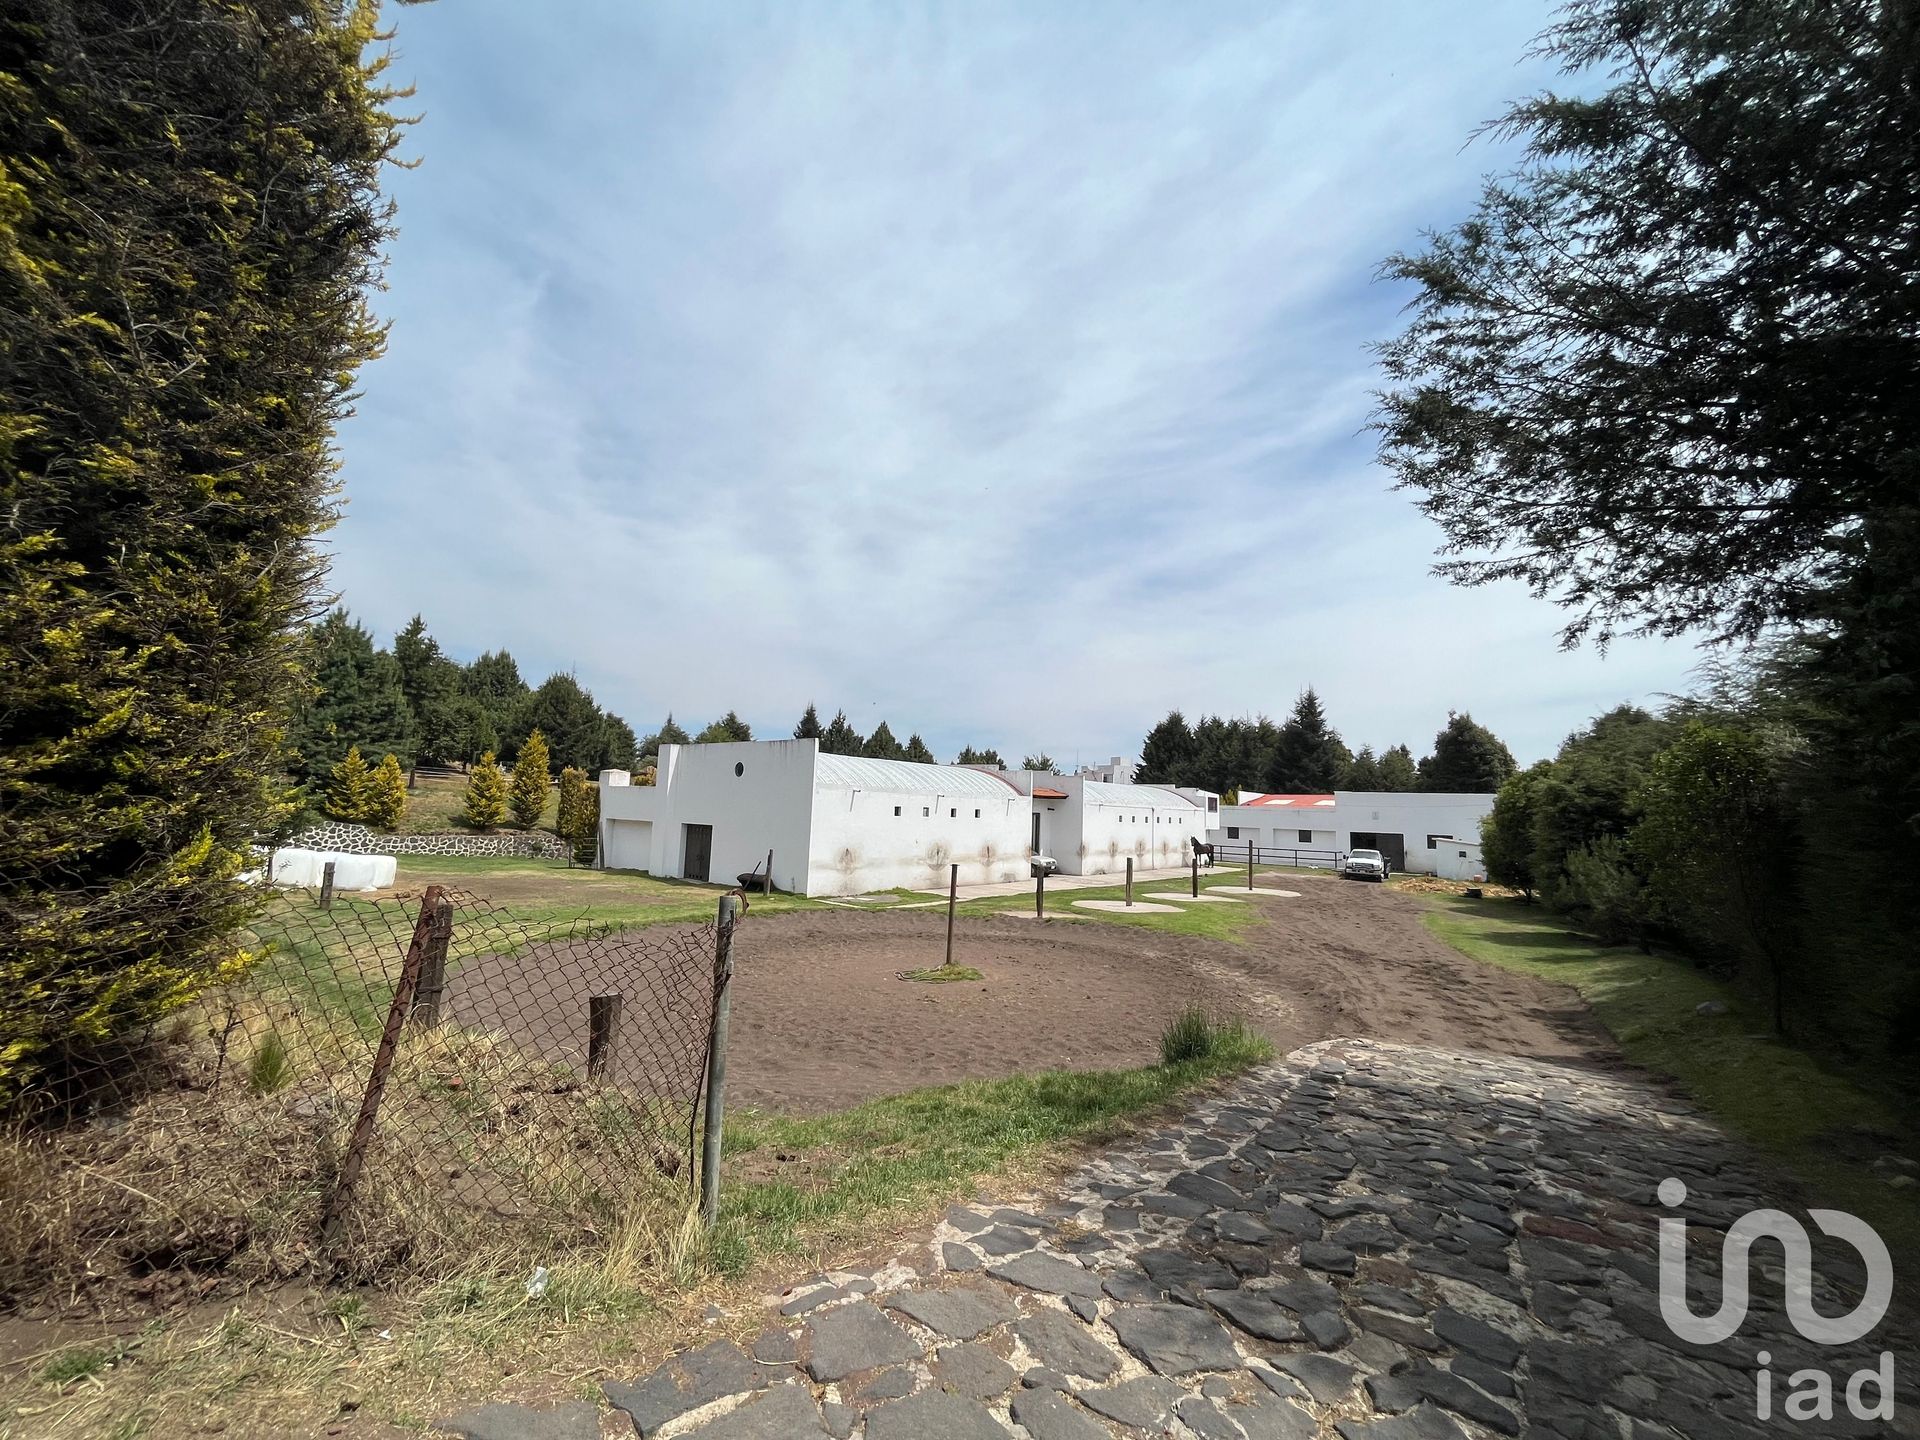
1201,850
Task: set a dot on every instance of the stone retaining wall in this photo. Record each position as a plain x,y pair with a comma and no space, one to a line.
351,839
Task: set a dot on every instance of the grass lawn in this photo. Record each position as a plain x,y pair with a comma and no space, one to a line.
552,890
1819,1125
435,806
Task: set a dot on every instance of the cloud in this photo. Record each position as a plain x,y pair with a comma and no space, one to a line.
996,371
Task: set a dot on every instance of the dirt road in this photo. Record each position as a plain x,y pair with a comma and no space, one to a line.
822,1019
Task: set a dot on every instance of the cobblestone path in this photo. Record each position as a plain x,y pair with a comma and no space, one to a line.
1365,1241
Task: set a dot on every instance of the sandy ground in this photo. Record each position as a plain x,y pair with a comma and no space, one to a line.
821,1019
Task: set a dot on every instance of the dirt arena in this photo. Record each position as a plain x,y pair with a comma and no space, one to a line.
821,1018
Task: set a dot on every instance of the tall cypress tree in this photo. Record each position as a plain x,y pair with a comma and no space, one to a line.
809,726
189,224
1166,756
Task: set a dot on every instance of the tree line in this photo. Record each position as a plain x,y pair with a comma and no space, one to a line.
419,704
1304,755
837,736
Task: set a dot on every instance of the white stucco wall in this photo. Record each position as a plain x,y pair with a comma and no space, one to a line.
1146,822
1413,816
766,805
860,844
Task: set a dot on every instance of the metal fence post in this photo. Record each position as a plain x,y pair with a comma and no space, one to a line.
334,1217
717,1060
326,886
603,1034
433,964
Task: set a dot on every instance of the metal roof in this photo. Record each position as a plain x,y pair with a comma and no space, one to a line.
857,772
1100,792
1291,802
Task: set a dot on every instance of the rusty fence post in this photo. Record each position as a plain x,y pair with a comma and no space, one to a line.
334,1217
1040,895
1196,875
1129,879
717,1060
953,898
326,886
603,1034
425,1009
1249,864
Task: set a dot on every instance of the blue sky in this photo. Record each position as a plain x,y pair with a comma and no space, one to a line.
996,371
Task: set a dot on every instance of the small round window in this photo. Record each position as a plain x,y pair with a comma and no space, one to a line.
739,767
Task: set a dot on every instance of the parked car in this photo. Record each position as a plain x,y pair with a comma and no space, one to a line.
1044,865
1365,865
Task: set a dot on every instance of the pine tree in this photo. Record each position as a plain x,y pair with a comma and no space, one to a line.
668,734
882,746
349,788
809,726
988,757
1364,773
357,699
565,815
1397,772
486,802
586,828
1041,764
840,738
1467,759
917,751
1308,757
1167,754
387,794
729,728
531,781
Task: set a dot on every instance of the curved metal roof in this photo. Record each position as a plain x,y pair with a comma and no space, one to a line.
857,772
1099,792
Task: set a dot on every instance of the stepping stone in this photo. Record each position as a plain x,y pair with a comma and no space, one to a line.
1175,1339
775,1347
1476,1337
1255,1314
1183,1275
1397,1328
1326,1329
1242,1229
889,1384
710,1373
956,1312
1334,1259
839,1419
814,1299
1489,1378
579,1421
963,1218
1144,1403
934,1415
853,1338
1049,1415
1463,1399
1425,1423
1003,1240
786,1412
1059,1344
1203,1417
958,1257
973,1371
1327,1379
1041,1378
1049,1274
1294,1221
1303,1296
1269,1417
1019,1219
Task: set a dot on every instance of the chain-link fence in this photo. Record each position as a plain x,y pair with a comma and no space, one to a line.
398,1081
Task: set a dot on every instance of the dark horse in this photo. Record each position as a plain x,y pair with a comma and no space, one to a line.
1201,850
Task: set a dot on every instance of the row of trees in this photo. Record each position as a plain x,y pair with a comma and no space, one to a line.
1305,755
493,793
423,706
837,737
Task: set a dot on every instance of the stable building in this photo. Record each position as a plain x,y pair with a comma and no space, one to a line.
835,824
1092,826
1418,831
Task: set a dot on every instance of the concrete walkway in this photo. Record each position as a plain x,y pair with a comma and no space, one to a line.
1366,1241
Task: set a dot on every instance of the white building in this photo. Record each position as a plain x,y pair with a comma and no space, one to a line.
836,824
1415,830
1117,771
1091,826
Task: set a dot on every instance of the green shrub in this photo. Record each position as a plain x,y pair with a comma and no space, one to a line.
386,795
486,803
531,780
350,788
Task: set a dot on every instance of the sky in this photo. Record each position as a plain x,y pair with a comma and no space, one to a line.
998,371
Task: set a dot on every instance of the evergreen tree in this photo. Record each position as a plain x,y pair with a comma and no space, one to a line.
1398,774
531,781
809,726
617,746
1506,835
1364,773
917,751
586,828
668,734
493,683
988,757
357,699
578,808
1308,757
840,738
486,801
349,788
1167,754
1467,759
564,712
1041,764
190,222
727,729
386,803
882,746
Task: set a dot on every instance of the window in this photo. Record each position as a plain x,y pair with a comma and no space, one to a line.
1233,832
953,814
896,809
976,814
739,768
1306,837
1433,842
924,812
1213,804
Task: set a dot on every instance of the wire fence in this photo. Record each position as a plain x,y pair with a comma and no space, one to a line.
396,1081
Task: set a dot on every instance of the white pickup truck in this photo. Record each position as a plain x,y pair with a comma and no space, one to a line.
1365,865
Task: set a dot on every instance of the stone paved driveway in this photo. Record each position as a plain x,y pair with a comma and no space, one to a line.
1367,1241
